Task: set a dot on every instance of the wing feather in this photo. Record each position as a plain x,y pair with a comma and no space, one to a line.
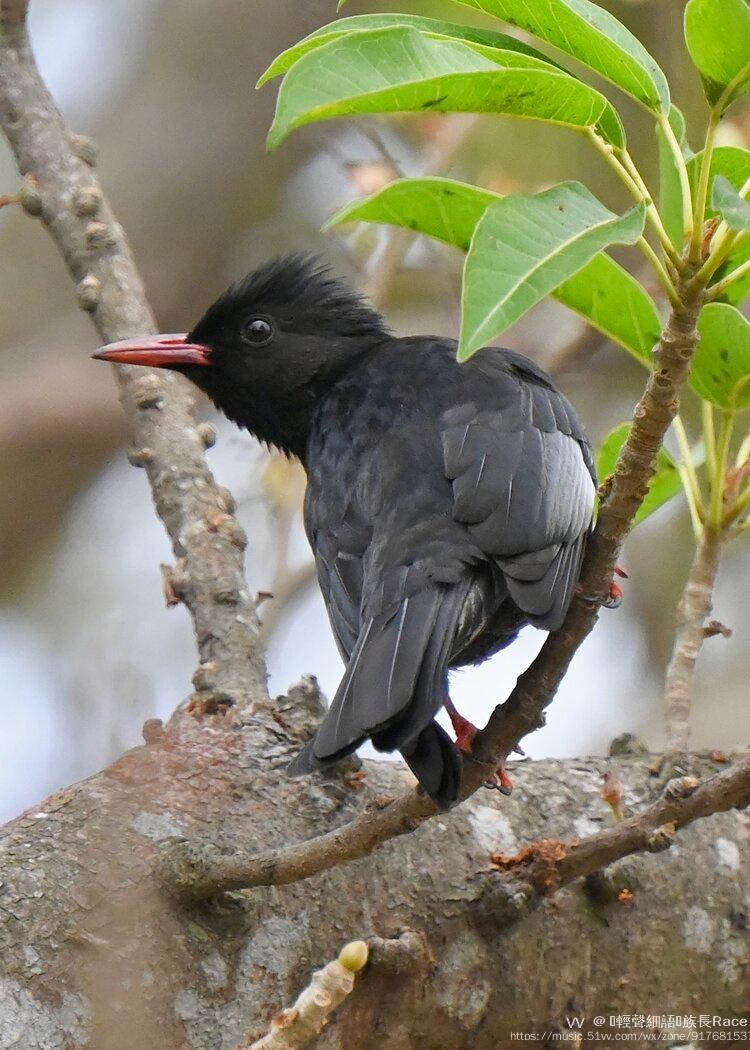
523,484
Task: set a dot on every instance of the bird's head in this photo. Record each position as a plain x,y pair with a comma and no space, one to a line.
269,348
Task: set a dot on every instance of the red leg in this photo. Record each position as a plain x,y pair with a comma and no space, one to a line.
465,732
614,593
464,729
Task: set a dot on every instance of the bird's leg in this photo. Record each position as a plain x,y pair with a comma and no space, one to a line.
614,594
464,729
465,732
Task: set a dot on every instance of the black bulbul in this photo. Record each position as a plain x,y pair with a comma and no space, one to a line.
447,504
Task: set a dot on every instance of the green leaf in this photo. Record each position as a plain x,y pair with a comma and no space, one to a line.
401,70
524,247
612,301
721,366
609,125
732,162
670,190
665,483
734,210
603,293
717,33
594,37
739,289
430,26
441,208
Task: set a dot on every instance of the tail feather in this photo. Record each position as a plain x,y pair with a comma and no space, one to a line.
393,686
431,687
381,676
543,591
434,760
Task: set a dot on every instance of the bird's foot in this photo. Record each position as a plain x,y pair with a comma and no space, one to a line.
500,781
614,597
465,732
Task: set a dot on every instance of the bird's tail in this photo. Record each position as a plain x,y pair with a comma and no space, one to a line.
393,686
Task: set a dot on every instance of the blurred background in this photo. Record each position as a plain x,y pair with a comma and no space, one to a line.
88,649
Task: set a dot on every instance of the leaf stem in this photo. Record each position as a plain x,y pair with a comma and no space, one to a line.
722,460
701,195
636,187
709,437
720,287
689,222
739,505
725,100
743,454
725,241
689,477
661,271
652,213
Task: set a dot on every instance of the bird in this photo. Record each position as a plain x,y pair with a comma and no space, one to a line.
447,504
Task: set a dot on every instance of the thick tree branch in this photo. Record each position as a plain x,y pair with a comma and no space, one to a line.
692,612
197,875
60,186
550,864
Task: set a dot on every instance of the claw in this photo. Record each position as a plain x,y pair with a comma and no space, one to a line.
614,595
614,599
500,782
465,732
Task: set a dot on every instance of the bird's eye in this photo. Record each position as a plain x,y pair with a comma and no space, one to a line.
258,331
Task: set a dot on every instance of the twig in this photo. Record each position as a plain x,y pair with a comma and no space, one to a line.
196,512
439,159
523,711
289,585
551,864
297,1026
692,612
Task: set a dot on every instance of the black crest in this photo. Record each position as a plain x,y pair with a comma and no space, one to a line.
302,295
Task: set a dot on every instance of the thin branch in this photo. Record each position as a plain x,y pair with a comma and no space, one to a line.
303,1022
693,610
289,586
551,864
197,513
523,711
685,800
582,345
438,160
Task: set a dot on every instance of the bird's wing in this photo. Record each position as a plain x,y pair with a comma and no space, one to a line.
392,566
523,484
339,539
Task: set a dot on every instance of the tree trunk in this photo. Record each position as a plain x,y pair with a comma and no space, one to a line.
96,954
